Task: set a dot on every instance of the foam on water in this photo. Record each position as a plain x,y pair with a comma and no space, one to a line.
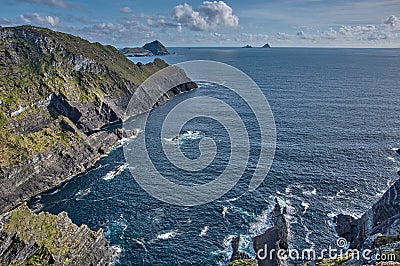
204,231
167,235
110,175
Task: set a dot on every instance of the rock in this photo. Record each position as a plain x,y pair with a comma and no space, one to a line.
398,151
275,237
57,241
75,88
382,218
346,227
123,133
236,254
247,46
156,47
266,45
398,172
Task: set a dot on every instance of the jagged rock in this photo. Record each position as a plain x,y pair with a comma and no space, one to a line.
125,133
46,239
275,237
236,254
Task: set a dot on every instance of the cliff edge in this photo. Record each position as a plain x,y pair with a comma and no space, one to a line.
57,91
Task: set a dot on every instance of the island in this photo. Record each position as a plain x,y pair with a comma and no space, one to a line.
247,46
266,45
149,49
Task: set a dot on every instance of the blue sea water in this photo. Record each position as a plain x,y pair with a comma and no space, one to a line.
337,119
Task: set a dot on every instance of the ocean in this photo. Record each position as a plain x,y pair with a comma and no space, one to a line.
337,122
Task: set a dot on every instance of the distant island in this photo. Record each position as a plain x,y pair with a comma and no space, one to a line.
267,45
149,49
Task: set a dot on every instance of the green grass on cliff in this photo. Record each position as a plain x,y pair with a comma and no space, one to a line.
36,63
245,262
48,231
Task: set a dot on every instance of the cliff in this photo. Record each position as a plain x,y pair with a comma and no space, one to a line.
46,239
378,229
149,49
56,92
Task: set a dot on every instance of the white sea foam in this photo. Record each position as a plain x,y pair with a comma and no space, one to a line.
83,192
167,235
225,211
204,231
306,206
391,159
261,223
312,192
110,175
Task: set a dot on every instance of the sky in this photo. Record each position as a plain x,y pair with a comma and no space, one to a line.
129,23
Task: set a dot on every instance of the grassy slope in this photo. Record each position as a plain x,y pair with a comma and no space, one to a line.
37,62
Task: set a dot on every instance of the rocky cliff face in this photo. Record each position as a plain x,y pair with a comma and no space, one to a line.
378,229
46,239
56,91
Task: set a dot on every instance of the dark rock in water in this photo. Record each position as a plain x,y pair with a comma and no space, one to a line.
247,46
266,45
57,242
398,151
236,254
398,172
346,226
275,237
156,47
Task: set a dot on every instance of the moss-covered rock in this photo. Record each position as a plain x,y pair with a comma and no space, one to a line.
46,239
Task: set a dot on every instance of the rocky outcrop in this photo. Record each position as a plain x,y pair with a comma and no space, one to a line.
149,49
46,239
247,46
156,47
57,92
266,45
383,218
275,238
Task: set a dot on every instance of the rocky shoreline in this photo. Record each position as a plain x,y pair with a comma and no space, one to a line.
58,94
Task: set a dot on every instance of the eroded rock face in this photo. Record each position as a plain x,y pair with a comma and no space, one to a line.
47,239
56,92
382,218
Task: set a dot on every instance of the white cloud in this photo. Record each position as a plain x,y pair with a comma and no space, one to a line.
391,21
57,3
37,19
126,9
208,16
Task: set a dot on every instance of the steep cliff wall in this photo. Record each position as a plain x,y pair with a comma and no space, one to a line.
55,91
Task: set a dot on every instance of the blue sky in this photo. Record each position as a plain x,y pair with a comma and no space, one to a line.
317,23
